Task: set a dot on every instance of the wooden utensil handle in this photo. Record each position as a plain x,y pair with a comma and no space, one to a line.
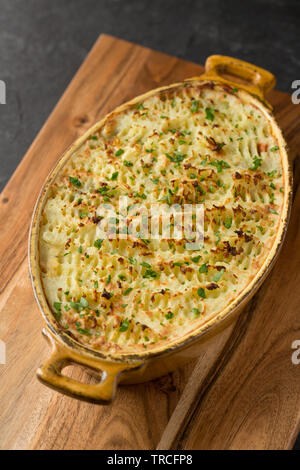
101,393
260,80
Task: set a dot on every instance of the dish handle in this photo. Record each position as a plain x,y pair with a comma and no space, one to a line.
261,81
102,393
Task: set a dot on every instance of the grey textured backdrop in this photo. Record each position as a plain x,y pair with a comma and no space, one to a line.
43,42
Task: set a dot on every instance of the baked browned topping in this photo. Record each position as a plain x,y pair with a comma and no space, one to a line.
192,144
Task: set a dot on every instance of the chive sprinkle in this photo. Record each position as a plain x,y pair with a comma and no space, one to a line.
201,293
119,153
75,181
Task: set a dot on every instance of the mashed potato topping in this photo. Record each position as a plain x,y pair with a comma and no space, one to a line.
196,143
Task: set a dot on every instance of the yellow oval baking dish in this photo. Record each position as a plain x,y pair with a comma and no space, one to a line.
136,316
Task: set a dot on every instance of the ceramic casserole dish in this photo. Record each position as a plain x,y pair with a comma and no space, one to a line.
133,309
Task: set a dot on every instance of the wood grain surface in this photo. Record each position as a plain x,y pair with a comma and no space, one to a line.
243,392
250,396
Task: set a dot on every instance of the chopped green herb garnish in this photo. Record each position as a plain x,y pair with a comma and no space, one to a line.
75,181
142,196
196,311
228,222
127,291
150,273
273,149
177,157
98,243
218,276
119,153
146,265
168,196
124,325
195,259
195,106
114,176
57,306
203,268
209,114
256,163
201,293
103,190
169,315
220,165
96,284
217,234
84,302
83,331
127,163
77,306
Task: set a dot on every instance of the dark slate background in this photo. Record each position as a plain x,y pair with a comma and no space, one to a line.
43,42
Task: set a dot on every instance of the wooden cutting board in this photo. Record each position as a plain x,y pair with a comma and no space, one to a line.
243,391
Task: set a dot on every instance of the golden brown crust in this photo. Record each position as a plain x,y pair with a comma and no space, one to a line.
194,143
